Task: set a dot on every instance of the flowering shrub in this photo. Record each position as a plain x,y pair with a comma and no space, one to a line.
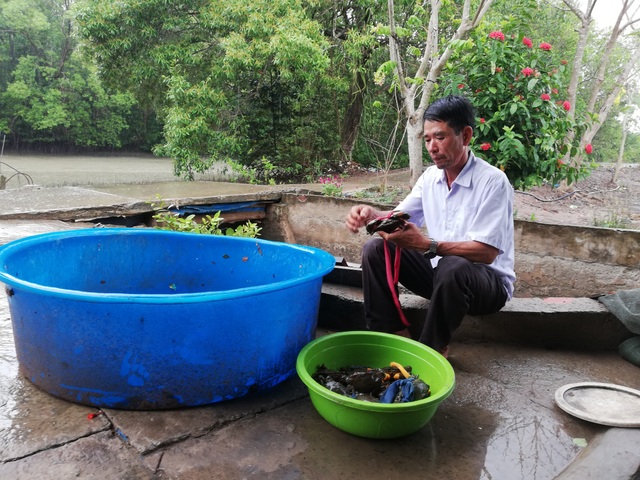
522,122
331,186
527,72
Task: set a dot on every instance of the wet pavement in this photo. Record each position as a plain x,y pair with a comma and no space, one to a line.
501,422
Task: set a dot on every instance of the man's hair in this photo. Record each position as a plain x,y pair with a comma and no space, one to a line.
456,111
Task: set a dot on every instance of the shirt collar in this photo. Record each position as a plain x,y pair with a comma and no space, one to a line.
464,177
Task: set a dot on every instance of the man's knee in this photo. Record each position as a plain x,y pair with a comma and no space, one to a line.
454,263
374,248
453,269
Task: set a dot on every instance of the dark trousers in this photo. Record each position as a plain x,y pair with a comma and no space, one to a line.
456,287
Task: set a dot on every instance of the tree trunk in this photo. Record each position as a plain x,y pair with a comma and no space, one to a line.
604,62
595,90
414,144
572,91
603,113
428,72
623,140
353,116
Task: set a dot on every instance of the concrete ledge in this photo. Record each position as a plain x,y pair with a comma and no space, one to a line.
614,454
555,322
580,323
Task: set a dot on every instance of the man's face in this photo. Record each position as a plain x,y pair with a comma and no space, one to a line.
446,148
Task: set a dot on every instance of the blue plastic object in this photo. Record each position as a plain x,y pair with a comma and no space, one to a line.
148,319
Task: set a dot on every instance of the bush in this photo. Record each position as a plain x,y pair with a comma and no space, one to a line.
518,91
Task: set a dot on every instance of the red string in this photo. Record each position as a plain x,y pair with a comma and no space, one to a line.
393,277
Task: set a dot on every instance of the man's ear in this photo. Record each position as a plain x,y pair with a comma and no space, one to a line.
467,133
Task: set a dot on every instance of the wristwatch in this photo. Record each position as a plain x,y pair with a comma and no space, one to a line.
431,253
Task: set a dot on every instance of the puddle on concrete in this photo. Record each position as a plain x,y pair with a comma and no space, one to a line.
533,448
8,370
11,385
31,420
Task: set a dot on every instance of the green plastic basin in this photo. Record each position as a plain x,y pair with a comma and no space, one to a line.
374,349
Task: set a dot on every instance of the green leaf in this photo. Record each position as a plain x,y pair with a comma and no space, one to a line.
580,442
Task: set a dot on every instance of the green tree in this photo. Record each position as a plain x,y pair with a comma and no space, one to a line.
612,64
347,27
236,81
48,93
416,57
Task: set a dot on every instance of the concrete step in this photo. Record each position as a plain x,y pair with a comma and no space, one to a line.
554,322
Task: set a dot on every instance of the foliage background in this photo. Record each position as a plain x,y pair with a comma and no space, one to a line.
282,90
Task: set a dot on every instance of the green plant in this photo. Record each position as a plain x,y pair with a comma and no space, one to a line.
331,186
613,220
518,91
168,220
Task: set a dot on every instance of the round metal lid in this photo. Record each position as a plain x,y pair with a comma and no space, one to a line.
602,403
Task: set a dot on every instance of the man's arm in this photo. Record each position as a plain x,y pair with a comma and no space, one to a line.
412,237
472,250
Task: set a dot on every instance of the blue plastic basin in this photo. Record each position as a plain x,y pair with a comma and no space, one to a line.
148,319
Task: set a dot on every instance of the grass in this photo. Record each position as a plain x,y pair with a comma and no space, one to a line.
613,220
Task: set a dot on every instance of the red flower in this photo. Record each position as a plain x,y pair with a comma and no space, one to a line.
497,35
460,86
588,148
485,146
527,71
527,42
545,96
482,120
498,69
566,105
545,46
564,62
554,91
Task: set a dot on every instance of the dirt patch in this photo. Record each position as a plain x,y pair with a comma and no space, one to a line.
596,201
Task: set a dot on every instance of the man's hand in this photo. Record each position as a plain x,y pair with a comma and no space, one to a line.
359,215
392,222
409,237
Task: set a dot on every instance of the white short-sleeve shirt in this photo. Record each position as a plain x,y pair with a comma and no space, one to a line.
479,206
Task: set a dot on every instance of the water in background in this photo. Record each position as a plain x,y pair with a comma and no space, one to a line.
17,171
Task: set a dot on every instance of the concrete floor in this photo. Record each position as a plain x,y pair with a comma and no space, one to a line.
501,422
